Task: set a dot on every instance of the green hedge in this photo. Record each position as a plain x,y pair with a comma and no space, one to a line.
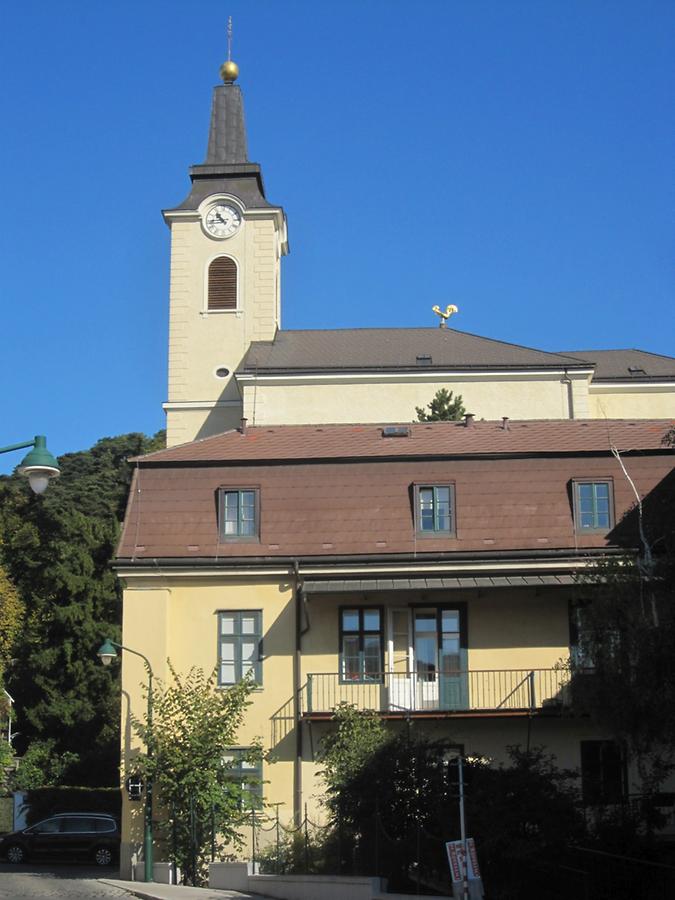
44,802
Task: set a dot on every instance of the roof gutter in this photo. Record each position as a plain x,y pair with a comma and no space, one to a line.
401,560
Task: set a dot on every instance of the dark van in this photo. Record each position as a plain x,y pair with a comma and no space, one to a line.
93,837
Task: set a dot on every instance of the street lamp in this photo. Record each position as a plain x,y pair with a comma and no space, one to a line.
107,652
450,757
39,465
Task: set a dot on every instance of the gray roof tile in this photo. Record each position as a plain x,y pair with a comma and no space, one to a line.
393,349
628,365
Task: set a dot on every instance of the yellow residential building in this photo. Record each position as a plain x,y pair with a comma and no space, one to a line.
428,572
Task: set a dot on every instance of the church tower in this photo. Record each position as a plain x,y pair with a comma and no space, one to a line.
227,241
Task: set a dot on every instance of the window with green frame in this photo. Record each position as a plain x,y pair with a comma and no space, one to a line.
434,509
246,771
361,646
239,646
238,514
593,505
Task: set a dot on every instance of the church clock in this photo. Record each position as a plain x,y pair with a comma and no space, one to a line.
222,221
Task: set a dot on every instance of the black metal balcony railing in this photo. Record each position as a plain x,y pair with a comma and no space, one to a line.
487,690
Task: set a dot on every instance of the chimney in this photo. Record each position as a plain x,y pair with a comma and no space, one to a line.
469,420
243,425
505,423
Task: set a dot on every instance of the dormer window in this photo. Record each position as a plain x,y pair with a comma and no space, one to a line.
434,510
593,506
239,514
222,284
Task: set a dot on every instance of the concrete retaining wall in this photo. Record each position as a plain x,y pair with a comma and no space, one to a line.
315,887
237,876
162,872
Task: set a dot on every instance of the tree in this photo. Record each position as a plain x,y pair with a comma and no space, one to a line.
195,725
57,549
443,408
41,767
11,618
399,805
624,671
348,747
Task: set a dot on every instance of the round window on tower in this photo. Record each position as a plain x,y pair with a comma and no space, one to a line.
221,372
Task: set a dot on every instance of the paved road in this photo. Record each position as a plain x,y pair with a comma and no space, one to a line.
54,882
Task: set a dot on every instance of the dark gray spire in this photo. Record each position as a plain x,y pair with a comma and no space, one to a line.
226,168
227,134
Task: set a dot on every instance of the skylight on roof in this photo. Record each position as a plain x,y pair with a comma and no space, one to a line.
395,431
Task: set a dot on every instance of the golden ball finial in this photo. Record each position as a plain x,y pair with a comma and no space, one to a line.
229,71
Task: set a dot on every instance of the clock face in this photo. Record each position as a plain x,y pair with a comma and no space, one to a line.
222,221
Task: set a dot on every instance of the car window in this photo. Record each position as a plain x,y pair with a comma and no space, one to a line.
104,824
49,826
78,824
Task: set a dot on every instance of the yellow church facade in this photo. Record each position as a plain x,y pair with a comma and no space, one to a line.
229,357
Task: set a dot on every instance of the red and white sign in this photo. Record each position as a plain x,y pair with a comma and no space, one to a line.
455,851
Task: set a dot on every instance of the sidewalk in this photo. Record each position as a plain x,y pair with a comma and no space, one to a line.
156,891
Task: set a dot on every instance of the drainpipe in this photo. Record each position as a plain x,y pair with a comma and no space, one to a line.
300,630
570,396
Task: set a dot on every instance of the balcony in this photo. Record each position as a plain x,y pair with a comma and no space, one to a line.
496,692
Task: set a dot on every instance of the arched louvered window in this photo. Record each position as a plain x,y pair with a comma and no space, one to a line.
222,284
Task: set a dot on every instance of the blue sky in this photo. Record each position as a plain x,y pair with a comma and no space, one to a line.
514,158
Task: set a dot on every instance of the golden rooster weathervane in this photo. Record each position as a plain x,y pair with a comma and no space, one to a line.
450,310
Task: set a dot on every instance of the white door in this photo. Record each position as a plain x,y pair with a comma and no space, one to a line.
401,682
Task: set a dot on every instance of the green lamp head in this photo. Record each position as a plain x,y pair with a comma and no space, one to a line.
39,465
106,652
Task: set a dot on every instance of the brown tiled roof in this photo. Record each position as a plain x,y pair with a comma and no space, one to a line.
347,508
379,349
628,365
437,439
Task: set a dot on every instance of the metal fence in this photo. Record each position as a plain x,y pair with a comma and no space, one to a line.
484,689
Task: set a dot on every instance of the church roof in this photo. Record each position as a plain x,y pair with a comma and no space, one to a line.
227,133
226,168
395,349
628,365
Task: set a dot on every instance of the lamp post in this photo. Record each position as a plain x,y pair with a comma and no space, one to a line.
107,652
457,757
39,465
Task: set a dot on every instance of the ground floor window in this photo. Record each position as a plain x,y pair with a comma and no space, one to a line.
246,771
603,773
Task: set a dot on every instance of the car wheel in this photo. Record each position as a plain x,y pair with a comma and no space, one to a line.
16,854
103,856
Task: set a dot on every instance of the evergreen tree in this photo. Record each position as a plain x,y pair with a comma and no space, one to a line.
443,408
57,550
